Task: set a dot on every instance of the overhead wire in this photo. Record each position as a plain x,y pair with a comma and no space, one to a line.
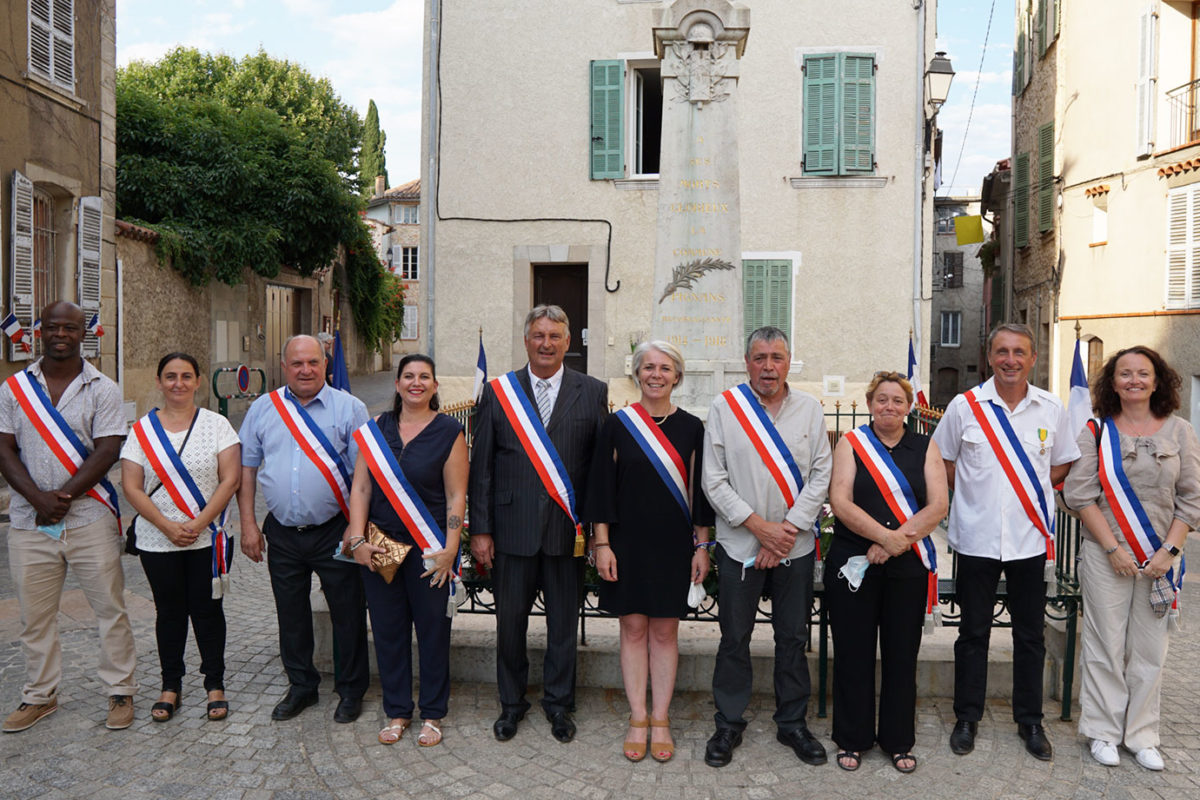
971,112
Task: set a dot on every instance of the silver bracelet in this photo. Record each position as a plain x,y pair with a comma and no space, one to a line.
356,543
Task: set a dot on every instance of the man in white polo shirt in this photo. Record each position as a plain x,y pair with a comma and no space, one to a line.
1005,444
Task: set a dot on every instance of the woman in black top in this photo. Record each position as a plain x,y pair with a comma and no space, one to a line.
889,604
432,453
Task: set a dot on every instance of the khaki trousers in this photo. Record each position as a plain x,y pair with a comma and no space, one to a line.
39,567
1124,648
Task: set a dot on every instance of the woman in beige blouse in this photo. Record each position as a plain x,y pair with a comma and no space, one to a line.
1124,639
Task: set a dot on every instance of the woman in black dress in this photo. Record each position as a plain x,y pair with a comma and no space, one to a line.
889,604
649,548
432,454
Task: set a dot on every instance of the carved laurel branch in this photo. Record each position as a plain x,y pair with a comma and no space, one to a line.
684,276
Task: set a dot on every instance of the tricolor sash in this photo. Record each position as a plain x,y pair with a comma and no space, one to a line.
1017,467
898,493
59,437
526,423
314,444
181,487
774,453
662,454
404,499
1126,508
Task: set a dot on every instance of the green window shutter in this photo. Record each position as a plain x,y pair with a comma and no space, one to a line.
1021,202
754,291
1041,26
1019,62
1046,177
608,104
821,115
857,114
778,300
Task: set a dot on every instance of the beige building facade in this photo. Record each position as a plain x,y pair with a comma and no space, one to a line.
1117,86
544,186
58,169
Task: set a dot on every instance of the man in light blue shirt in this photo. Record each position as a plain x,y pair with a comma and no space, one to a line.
306,522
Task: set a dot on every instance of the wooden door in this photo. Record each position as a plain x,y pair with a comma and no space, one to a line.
565,285
282,314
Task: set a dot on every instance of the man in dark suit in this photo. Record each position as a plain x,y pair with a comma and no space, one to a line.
520,533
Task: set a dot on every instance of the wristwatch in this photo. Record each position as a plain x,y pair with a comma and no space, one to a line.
1172,549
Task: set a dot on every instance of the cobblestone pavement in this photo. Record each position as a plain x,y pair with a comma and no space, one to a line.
70,754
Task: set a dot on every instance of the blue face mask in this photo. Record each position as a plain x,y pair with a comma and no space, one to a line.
853,571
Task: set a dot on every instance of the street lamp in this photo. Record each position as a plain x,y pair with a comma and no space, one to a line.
937,80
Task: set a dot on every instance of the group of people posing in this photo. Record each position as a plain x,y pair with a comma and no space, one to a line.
376,508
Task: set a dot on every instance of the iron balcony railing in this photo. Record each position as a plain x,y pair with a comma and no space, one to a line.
1181,107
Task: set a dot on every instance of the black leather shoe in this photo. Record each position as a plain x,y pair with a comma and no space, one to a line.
807,748
561,726
348,709
1036,741
506,726
962,738
296,701
719,750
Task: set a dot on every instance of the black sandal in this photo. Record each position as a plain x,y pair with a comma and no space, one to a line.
854,758
898,757
221,707
169,708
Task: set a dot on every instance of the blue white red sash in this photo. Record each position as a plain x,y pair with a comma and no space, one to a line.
59,437
1018,469
658,449
526,423
1126,508
405,501
766,440
314,444
898,493
182,489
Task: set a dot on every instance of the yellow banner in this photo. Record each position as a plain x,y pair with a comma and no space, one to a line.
968,230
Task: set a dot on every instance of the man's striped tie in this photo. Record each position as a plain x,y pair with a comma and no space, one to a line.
543,400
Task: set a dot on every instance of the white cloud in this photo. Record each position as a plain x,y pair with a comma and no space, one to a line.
222,24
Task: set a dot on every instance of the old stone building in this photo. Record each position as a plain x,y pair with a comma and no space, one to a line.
393,216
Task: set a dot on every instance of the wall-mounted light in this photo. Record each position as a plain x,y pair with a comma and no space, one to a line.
937,80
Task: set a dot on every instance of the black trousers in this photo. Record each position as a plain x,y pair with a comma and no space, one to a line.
889,607
791,602
396,608
516,580
977,580
181,582
293,555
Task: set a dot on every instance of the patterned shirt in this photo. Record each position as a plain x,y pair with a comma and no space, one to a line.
91,405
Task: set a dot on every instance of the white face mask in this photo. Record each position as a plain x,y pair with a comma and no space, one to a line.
853,571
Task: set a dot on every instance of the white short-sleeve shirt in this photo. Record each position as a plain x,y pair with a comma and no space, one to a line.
211,435
986,516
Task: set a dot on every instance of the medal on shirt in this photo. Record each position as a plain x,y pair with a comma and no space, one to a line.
1042,439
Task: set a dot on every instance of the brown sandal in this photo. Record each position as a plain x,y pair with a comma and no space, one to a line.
636,751
394,732
661,751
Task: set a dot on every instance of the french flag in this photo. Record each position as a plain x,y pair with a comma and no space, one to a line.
480,369
94,327
37,328
12,328
914,376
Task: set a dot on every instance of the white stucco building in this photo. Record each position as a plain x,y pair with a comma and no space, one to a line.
543,135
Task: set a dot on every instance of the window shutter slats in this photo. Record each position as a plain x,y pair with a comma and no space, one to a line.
1021,202
753,296
1041,26
607,134
1046,177
1183,247
821,114
21,282
779,296
91,219
1146,84
858,114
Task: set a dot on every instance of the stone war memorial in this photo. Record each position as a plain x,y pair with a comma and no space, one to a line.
697,297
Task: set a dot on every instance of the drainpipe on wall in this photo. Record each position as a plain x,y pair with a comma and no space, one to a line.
918,188
429,187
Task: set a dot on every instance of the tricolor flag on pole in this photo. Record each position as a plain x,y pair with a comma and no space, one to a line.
94,327
480,369
13,330
914,375
37,328
1079,402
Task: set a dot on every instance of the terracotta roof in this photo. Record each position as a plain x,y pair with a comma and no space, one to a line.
131,231
1098,189
405,191
1178,167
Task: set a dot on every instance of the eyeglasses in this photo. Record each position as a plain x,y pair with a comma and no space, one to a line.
890,376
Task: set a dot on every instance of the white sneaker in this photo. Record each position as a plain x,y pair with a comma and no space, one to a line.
1105,753
1150,759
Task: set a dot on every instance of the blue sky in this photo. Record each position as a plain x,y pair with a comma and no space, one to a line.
371,49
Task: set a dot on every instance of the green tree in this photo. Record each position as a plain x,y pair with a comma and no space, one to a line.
248,164
372,158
